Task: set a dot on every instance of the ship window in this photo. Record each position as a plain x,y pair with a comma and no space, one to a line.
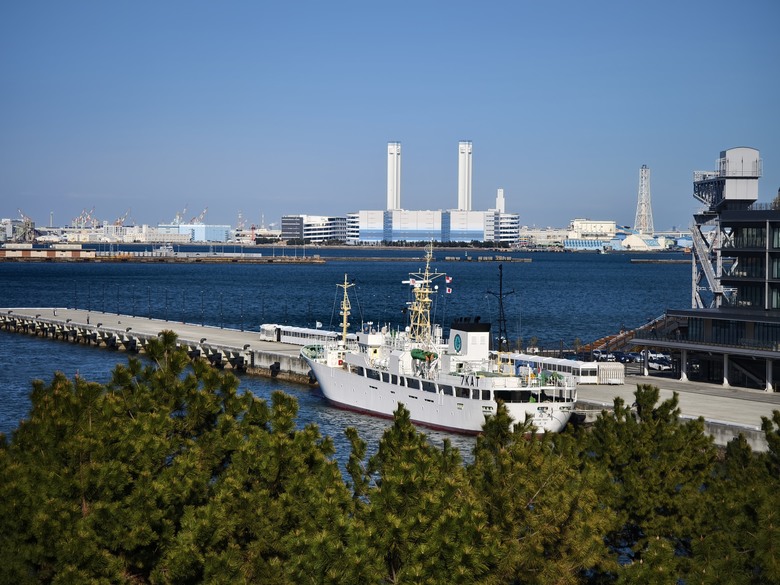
509,396
428,386
486,395
359,371
385,377
373,374
475,393
413,383
394,379
462,392
447,390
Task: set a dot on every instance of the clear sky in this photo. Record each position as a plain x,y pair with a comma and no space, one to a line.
284,107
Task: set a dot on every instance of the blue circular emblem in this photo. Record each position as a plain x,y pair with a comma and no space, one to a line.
457,342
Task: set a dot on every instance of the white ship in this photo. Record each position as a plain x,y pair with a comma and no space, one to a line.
452,385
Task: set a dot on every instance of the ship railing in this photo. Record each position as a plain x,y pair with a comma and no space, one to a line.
351,345
481,367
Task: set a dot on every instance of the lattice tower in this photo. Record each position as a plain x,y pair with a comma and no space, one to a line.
644,213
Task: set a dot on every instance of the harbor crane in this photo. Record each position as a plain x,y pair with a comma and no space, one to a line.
200,217
84,218
120,221
179,217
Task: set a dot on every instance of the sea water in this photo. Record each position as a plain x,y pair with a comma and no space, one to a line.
555,298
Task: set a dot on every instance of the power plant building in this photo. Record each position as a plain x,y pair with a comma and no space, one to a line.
396,224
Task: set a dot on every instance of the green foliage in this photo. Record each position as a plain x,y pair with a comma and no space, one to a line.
169,474
741,543
543,510
423,523
660,468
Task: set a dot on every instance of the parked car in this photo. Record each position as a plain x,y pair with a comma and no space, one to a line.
660,364
633,356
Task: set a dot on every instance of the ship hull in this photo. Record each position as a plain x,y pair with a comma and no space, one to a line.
432,409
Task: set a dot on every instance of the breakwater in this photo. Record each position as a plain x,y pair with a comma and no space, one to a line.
233,349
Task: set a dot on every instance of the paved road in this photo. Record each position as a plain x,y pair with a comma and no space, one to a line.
738,406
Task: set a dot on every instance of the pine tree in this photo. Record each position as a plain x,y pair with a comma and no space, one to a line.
422,521
545,512
741,541
166,474
660,468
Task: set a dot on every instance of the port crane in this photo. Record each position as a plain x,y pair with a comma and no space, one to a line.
120,221
178,219
84,218
200,217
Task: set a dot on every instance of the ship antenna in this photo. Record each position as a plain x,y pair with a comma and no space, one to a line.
345,307
502,333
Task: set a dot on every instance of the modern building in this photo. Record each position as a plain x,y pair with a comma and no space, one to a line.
314,229
502,227
547,237
586,235
366,227
197,232
731,335
463,226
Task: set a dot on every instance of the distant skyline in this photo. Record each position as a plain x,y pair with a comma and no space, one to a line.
273,108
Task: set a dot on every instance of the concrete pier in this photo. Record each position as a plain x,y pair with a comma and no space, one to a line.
727,411
225,348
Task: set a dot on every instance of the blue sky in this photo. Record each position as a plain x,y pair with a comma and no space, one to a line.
271,108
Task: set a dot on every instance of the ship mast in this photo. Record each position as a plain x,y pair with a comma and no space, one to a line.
420,308
345,307
502,333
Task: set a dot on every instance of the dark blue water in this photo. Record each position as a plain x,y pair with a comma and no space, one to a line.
556,298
